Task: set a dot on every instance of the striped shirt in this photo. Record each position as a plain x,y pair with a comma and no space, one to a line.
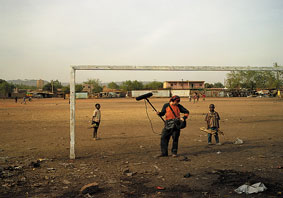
212,119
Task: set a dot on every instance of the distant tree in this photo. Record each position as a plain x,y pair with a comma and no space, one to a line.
113,85
218,85
129,85
154,85
6,87
266,79
137,85
78,88
208,85
56,85
66,89
126,85
97,87
279,77
21,86
47,87
233,80
251,79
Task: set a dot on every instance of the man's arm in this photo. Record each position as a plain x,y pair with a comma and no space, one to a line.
184,111
163,110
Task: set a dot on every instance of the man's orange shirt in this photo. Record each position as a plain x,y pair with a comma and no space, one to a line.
169,114
176,108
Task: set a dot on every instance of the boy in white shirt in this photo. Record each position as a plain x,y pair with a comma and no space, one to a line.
96,117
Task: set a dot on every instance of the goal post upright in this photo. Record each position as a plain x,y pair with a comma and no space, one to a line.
143,68
72,112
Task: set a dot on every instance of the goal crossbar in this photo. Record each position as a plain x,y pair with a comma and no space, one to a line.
144,68
177,68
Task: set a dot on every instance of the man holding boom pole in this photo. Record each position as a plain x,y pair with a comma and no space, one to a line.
172,112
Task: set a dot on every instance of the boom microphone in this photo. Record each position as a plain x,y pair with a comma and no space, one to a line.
144,96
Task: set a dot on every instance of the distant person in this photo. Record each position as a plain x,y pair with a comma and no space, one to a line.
212,119
96,118
195,97
190,98
16,99
170,110
203,97
24,100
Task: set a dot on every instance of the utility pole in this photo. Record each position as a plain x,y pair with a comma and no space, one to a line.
52,89
278,80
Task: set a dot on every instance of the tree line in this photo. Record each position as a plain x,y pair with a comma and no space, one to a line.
235,79
254,79
6,87
124,86
98,87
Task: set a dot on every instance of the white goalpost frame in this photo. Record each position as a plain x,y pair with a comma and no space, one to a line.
143,68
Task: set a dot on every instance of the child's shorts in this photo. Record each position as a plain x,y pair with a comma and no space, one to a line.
95,124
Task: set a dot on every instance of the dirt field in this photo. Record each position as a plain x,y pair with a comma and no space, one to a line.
123,161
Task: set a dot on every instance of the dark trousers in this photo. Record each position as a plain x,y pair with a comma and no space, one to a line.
95,129
209,136
165,137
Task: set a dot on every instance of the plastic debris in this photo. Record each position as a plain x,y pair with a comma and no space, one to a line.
238,141
157,168
160,188
255,188
187,175
35,164
186,159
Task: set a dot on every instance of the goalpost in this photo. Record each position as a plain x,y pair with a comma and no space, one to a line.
143,68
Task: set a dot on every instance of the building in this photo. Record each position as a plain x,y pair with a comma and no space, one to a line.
111,93
39,84
183,85
88,88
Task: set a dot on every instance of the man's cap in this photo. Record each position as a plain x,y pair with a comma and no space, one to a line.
173,98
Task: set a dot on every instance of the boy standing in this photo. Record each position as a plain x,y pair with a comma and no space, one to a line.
96,117
212,119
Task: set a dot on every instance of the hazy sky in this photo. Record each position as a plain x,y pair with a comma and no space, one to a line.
40,39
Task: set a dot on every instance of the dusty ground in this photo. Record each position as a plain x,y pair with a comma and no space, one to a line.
123,161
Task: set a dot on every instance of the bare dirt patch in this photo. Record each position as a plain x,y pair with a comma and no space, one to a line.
34,151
